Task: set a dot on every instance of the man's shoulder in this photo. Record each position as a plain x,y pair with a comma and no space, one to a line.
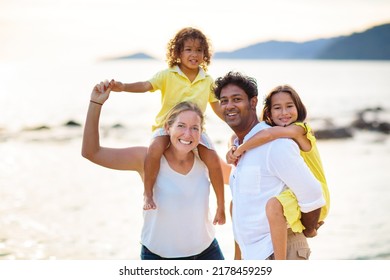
258,127
283,141
283,144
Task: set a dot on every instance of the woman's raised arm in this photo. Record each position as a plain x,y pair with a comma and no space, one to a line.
131,158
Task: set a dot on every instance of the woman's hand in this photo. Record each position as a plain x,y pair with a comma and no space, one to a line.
101,92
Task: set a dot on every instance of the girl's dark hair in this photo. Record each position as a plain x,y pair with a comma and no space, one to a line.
266,114
176,45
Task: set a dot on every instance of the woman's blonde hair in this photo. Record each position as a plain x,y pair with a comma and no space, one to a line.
183,107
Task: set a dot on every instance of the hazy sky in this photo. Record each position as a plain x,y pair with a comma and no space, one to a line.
89,29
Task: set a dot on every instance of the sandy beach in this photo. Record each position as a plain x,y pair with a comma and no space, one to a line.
57,205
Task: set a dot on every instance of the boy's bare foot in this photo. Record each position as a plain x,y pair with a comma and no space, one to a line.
149,203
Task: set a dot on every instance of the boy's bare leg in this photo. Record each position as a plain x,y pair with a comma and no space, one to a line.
212,161
310,221
152,167
278,228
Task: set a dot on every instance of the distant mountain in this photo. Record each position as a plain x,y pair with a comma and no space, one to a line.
373,43
278,50
139,55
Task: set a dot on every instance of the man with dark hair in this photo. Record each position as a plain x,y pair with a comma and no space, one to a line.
262,173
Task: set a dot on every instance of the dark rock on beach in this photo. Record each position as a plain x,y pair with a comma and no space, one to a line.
334,133
370,119
72,123
118,125
37,128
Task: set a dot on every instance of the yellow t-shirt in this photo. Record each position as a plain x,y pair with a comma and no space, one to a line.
175,87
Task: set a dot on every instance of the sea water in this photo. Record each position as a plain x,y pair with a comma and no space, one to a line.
57,205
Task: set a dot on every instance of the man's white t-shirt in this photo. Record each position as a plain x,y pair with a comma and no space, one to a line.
263,173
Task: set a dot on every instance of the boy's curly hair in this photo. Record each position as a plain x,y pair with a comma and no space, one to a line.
176,45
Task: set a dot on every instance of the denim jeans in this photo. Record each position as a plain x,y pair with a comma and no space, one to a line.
213,252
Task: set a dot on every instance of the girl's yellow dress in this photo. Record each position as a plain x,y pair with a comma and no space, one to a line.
287,198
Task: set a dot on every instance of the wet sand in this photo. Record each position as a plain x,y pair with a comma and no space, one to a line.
57,205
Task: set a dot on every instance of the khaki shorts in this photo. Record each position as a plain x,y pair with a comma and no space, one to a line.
297,247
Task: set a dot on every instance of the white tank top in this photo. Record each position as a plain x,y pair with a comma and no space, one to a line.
181,226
